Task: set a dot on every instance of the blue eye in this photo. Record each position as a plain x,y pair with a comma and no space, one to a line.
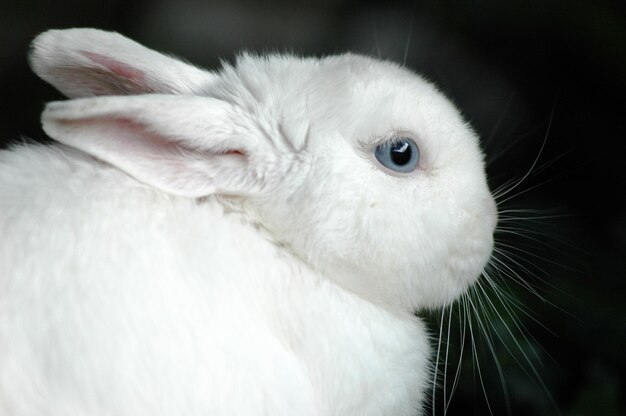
400,154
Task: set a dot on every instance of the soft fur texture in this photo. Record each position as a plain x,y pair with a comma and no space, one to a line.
226,243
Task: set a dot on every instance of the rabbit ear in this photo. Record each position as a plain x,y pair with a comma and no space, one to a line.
90,62
190,146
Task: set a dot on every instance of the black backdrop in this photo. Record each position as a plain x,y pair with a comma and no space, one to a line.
514,68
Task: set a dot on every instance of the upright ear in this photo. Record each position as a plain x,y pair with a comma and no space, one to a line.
90,62
185,145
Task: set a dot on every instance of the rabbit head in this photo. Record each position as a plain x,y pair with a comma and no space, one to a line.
356,166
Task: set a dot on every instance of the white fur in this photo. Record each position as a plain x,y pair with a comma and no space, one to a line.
230,246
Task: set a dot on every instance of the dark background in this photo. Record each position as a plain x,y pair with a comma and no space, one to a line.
522,72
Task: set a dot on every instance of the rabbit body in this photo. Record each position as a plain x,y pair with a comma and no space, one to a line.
231,243
144,304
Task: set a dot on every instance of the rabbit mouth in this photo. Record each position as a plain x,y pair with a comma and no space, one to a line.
474,249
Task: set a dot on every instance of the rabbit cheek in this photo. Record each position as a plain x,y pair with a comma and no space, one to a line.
438,249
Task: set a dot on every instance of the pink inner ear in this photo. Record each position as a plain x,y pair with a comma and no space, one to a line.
118,68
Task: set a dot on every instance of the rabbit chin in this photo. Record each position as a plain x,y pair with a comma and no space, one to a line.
417,286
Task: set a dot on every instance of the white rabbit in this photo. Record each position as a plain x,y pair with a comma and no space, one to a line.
252,241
